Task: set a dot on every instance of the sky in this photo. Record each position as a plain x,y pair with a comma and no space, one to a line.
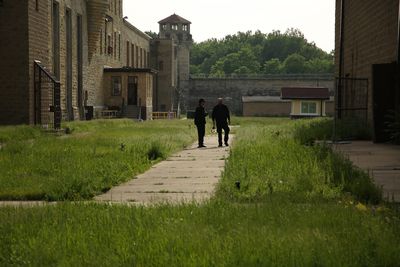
218,18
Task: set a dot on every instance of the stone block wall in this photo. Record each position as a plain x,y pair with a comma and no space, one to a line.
232,89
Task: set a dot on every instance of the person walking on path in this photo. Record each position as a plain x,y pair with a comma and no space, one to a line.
200,121
221,117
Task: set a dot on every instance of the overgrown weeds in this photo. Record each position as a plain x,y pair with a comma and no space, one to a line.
94,157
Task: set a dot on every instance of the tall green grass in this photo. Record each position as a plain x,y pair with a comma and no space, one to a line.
278,233
273,159
290,209
95,157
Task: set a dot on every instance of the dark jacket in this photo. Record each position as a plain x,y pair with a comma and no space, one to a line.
200,116
220,114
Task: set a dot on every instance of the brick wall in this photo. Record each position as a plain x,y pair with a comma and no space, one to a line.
30,37
14,62
370,33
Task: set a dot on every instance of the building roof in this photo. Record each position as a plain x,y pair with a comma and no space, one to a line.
136,30
174,18
261,98
305,93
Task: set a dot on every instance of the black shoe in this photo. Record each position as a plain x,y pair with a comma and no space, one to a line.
220,145
200,146
226,144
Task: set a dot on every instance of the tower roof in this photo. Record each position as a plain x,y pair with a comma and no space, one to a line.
174,18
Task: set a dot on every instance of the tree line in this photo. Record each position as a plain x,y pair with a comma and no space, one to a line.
258,53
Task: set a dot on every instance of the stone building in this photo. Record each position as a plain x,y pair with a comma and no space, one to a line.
68,44
367,62
171,55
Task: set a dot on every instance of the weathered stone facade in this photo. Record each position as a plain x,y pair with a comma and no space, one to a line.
74,40
367,39
233,89
171,56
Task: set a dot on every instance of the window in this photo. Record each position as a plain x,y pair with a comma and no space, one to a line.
105,37
137,57
133,55
101,41
116,86
128,46
163,27
115,45
56,39
174,27
109,45
185,27
308,108
119,46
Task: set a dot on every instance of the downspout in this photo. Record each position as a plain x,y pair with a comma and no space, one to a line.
398,37
397,95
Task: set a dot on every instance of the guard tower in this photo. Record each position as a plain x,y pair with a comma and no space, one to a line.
171,55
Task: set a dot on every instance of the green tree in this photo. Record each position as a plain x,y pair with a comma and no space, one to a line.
272,66
294,63
318,65
254,50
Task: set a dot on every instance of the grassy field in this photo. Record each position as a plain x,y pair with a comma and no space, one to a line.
298,205
96,155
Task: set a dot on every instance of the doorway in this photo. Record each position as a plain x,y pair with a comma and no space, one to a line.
384,99
132,90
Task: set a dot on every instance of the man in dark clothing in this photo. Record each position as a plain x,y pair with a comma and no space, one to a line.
200,121
220,116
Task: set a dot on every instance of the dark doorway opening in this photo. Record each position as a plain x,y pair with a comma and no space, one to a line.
132,90
384,97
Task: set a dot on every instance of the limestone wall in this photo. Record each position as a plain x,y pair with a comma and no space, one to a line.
232,89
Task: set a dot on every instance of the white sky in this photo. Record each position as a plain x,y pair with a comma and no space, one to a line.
218,18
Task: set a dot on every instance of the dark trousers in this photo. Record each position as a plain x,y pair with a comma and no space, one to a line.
201,131
225,127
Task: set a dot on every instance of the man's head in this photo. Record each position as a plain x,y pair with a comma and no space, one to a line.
220,100
202,102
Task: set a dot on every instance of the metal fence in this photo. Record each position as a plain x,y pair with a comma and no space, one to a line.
351,109
47,102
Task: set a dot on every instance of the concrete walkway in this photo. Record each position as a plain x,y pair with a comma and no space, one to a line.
190,175
381,161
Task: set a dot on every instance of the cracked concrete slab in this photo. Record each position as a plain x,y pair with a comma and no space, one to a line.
190,175
380,161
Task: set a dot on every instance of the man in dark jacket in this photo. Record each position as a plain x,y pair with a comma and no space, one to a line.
221,117
200,121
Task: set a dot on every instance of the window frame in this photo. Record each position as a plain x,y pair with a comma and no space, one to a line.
113,91
308,103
